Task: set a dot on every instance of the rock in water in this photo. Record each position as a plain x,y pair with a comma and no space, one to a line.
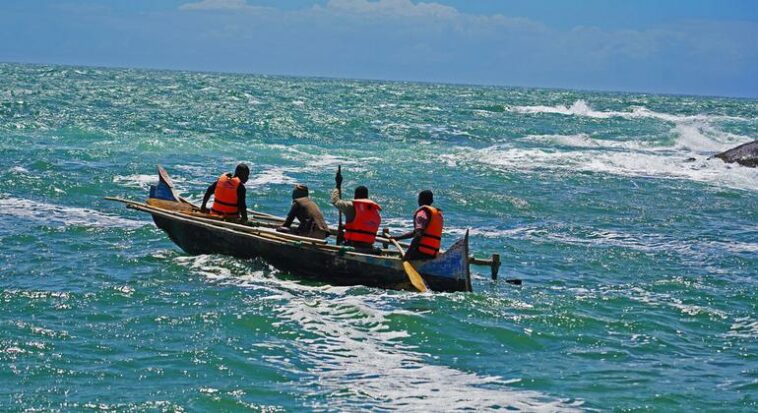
745,155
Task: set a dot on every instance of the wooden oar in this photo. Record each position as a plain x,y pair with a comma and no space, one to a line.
413,275
338,178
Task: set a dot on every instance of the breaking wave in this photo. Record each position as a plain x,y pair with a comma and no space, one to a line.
639,164
582,108
683,153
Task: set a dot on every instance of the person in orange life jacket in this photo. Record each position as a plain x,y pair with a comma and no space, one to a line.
309,215
427,229
229,194
362,218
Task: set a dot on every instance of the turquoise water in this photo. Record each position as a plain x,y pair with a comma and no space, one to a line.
640,290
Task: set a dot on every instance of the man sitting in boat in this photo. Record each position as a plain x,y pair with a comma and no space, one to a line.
427,229
362,218
309,215
229,194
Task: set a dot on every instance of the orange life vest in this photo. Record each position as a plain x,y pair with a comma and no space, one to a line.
225,197
366,222
429,244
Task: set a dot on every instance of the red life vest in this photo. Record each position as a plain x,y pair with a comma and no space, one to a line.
225,197
366,222
429,244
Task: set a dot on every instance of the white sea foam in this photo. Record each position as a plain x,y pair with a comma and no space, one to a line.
356,341
702,138
316,158
136,181
736,246
207,265
582,108
631,158
486,232
359,361
52,214
37,330
251,100
578,108
694,136
583,140
327,161
271,176
18,170
656,299
744,327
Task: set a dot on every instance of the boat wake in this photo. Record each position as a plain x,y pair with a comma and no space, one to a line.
355,360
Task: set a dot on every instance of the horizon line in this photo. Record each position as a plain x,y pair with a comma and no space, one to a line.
368,79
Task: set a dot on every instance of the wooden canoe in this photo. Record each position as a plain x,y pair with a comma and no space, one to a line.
198,233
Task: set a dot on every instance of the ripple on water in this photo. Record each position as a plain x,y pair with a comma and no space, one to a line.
638,266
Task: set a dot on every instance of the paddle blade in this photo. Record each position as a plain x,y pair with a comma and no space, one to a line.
415,277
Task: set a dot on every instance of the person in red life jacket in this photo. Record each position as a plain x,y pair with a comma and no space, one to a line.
427,229
229,194
362,218
309,215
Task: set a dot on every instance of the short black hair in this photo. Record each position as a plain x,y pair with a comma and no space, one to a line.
425,197
361,192
242,169
300,191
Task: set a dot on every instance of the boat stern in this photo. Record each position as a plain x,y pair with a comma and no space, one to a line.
449,271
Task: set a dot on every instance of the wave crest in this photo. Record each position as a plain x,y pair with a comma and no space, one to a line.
581,108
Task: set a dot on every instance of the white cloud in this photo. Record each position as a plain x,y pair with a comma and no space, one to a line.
410,39
392,8
222,5
434,15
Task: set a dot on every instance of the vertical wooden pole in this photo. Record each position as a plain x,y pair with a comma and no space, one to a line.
495,266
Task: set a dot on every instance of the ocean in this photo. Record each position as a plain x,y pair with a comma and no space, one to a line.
638,254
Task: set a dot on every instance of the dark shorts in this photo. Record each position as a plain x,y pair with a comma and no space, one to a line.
413,254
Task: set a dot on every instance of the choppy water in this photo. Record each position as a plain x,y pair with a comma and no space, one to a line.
640,290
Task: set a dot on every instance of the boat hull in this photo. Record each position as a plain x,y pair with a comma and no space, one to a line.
341,267
198,233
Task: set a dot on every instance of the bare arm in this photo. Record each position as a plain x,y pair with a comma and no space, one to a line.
291,215
410,234
241,203
208,192
420,222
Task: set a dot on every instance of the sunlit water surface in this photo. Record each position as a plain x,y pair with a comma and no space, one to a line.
639,267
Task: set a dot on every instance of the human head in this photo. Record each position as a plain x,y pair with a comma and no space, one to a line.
425,197
242,172
361,192
300,191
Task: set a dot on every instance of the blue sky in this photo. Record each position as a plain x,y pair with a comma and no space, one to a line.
684,47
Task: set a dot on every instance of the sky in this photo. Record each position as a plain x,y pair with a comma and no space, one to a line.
700,47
